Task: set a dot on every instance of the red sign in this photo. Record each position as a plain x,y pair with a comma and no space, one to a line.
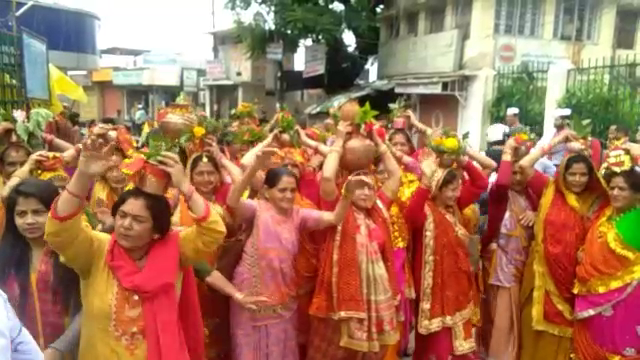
506,54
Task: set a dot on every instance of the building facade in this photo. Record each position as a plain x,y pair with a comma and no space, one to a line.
444,51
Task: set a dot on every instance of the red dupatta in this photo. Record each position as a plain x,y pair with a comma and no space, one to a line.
173,328
333,297
563,221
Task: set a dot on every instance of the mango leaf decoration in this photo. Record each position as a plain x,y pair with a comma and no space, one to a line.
366,115
582,128
397,108
159,144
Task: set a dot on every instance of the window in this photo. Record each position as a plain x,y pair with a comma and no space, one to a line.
411,23
393,28
518,17
626,28
435,20
575,20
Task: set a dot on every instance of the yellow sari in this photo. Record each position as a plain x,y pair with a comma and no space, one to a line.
546,299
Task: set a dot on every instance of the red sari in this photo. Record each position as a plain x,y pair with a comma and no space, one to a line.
446,292
213,304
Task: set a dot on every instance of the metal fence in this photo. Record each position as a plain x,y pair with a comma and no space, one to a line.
523,86
12,94
606,91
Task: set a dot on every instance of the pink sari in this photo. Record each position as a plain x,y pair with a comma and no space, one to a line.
612,320
607,291
267,269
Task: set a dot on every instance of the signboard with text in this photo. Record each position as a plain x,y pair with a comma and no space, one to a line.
314,60
36,66
128,77
190,80
215,69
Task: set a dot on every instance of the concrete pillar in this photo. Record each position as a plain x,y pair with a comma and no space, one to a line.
207,101
556,88
470,118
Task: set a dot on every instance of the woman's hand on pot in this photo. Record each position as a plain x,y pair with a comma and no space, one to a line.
36,157
263,158
170,163
344,127
212,148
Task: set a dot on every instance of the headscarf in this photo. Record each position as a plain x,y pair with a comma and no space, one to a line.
560,230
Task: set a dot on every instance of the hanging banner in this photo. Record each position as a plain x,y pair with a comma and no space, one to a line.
314,60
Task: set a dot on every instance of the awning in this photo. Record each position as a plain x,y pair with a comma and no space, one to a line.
353,93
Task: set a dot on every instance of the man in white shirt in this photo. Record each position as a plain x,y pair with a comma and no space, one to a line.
560,123
15,341
512,118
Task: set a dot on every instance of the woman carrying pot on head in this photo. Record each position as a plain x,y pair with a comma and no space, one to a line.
568,206
512,211
608,274
267,265
138,291
205,171
355,305
445,281
44,292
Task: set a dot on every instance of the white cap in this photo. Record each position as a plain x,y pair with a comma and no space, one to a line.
497,132
561,112
513,111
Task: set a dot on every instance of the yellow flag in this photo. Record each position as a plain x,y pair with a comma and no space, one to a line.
61,84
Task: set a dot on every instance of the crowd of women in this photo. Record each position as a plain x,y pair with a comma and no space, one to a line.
340,247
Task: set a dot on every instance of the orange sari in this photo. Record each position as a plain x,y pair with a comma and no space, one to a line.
306,267
546,293
607,292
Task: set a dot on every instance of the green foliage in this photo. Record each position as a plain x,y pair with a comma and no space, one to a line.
158,144
605,103
287,125
583,128
92,219
366,114
221,129
31,128
524,91
398,108
249,135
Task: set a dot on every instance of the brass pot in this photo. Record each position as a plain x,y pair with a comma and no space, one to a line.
284,140
359,154
349,111
173,126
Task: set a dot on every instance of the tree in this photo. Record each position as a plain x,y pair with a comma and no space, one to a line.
523,90
321,21
605,102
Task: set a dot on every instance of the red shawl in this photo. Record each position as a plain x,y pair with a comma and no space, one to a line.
348,297
173,329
